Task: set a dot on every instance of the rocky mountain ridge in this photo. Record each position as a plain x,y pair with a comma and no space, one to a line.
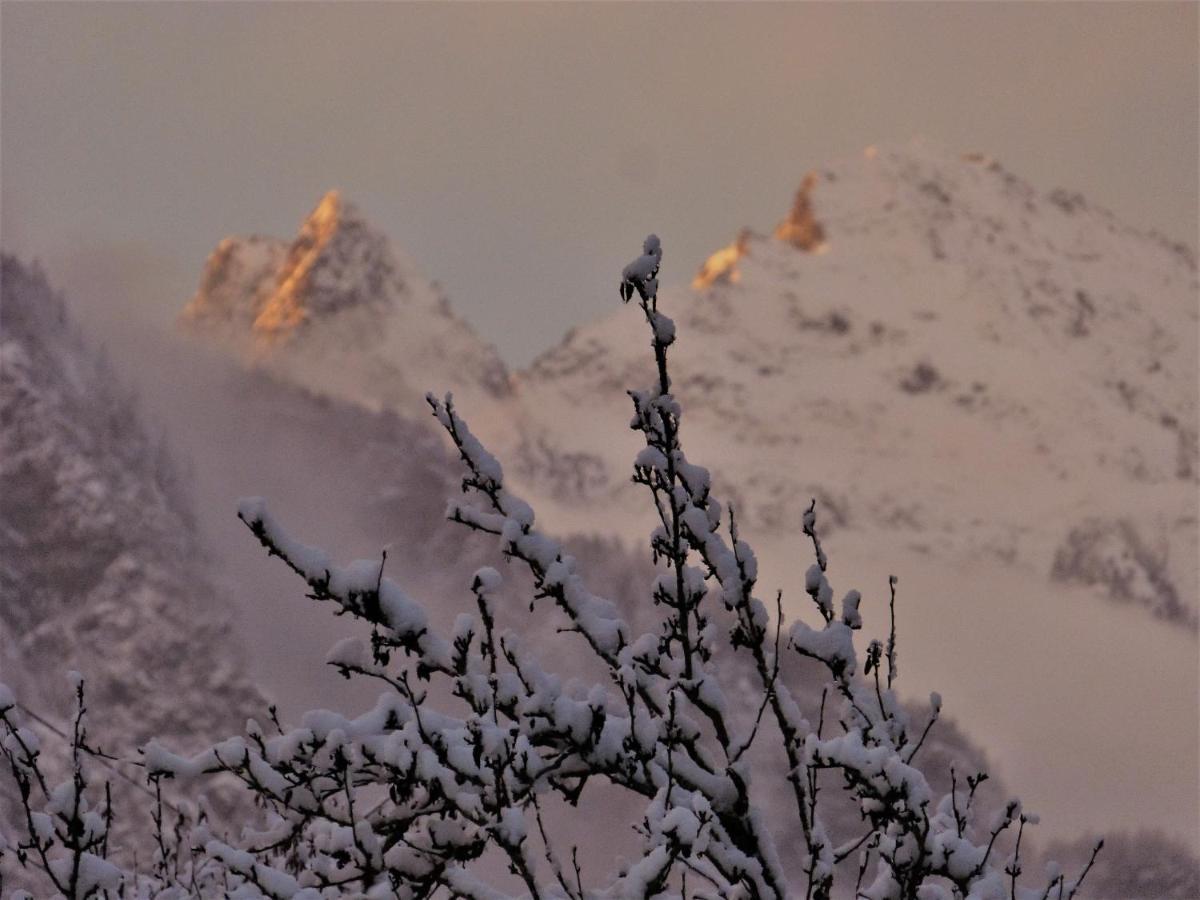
101,568
954,322
989,390
97,537
933,303
292,308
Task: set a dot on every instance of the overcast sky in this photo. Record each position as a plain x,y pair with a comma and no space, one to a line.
519,153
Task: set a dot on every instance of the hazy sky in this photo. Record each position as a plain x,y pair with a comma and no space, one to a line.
519,153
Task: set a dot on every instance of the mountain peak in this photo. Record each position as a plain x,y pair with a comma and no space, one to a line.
338,311
800,228
337,262
920,291
921,200
327,213
268,291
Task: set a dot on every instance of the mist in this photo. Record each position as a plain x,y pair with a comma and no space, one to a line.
522,192
241,434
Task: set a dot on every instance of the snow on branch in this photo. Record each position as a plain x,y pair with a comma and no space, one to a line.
472,741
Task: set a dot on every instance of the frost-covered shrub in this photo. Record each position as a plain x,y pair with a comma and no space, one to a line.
446,787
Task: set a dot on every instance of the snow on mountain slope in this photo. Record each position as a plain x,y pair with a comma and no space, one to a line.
100,568
990,391
992,394
354,478
294,308
951,327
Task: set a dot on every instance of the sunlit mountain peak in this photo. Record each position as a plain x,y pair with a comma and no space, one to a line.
336,262
801,228
721,266
341,311
268,290
285,309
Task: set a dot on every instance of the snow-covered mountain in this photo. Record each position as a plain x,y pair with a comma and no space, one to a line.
100,567
990,390
920,326
917,307
294,308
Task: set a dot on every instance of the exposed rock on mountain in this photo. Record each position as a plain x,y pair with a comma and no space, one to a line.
989,389
992,393
801,228
295,308
238,282
957,333
1113,555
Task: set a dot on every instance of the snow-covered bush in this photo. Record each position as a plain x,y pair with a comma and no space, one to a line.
449,786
